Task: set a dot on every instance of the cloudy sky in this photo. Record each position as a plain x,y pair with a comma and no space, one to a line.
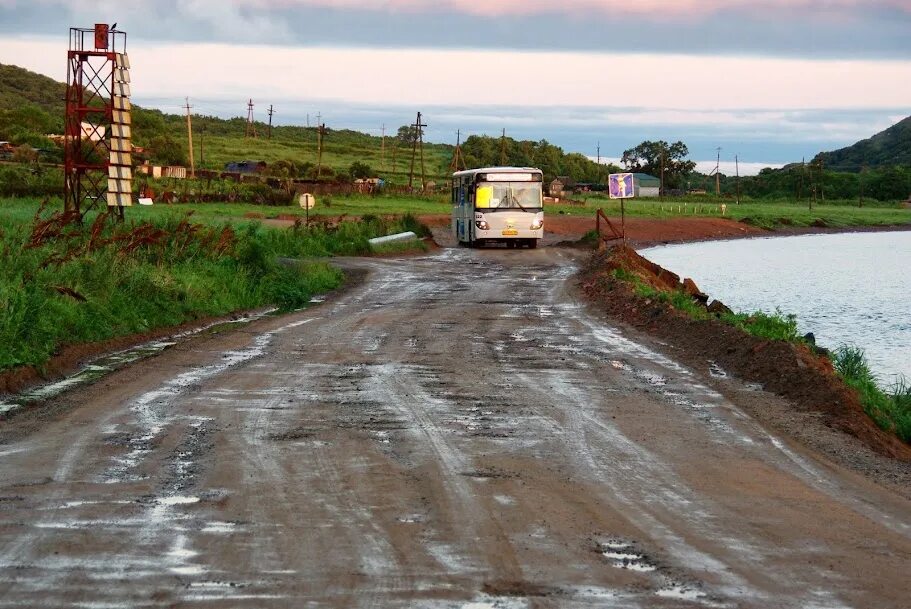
771,81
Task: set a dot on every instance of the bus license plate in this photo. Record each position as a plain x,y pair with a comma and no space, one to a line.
510,232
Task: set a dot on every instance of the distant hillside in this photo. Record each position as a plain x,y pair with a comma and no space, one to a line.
19,86
887,148
32,105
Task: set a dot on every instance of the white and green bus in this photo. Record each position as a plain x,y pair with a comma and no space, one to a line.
498,205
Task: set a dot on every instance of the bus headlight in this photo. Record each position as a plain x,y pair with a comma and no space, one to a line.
482,224
537,224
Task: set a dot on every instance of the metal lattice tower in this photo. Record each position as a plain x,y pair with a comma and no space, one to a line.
250,130
98,151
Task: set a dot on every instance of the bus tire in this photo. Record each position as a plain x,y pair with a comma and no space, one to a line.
532,243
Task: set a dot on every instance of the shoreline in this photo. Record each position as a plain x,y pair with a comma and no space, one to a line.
790,231
887,376
814,406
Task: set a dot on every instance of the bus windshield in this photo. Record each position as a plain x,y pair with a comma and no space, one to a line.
525,196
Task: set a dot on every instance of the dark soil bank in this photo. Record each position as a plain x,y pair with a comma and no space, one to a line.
793,371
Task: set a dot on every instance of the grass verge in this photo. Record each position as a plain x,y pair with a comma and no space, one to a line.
891,409
64,283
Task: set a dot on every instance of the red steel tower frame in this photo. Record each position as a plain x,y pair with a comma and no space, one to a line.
98,164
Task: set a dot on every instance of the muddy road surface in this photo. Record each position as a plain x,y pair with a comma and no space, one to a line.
457,431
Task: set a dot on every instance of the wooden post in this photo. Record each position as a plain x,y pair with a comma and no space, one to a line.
737,168
190,140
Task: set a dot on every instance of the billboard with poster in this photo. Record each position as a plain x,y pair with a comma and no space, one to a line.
621,186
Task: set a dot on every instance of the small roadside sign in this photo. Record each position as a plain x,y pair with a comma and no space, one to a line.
621,186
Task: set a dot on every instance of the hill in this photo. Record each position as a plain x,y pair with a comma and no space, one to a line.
887,148
19,86
32,105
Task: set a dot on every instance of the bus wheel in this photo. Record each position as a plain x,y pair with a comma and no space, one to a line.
532,243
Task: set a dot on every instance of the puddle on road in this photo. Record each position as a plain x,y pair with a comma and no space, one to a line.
217,527
681,592
716,371
177,500
623,555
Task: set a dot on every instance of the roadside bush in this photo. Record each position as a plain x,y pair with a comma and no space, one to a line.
30,181
359,169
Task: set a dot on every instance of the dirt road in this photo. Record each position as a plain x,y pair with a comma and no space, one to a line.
456,432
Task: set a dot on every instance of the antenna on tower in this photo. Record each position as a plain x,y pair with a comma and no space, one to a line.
250,130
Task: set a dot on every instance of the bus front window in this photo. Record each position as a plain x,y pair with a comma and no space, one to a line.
510,195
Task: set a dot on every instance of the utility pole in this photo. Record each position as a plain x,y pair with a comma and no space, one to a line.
190,140
458,162
271,112
822,180
718,174
320,133
599,153
503,149
661,188
737,169
813,200
251,126
383,148
417,138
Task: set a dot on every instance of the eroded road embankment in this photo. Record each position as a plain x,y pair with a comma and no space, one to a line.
455,432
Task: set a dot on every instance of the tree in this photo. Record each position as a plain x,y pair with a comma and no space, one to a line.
406,134
360,170
284,168
647,158
165,150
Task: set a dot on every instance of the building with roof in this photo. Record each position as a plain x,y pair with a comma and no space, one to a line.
646,185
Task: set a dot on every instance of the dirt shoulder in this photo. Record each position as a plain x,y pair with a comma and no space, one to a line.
818,409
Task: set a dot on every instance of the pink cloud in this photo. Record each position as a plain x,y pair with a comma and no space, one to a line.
656,8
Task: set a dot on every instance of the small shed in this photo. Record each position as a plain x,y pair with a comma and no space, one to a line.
555,188
646,185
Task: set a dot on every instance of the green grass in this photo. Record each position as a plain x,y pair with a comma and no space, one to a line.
675,298
890,409
770,214
777,326
83,285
